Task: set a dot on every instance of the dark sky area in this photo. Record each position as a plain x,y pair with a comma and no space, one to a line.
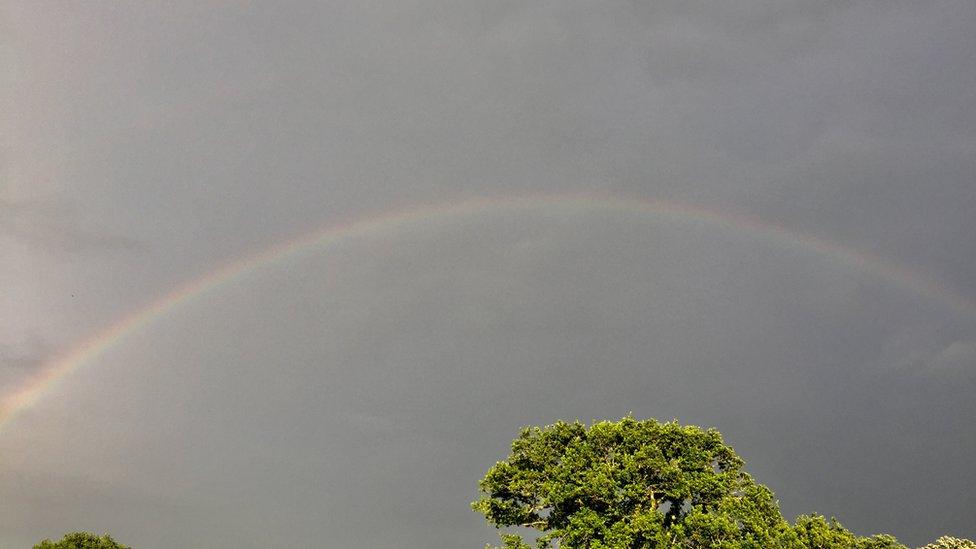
822,315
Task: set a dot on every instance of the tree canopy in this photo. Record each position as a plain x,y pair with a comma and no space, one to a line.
815,531
949,542
82,540
643,484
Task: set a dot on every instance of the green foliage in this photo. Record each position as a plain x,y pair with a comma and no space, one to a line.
635,484
629,484
82,540
948,542
815,532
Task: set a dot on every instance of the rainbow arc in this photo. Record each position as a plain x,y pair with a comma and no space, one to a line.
36,387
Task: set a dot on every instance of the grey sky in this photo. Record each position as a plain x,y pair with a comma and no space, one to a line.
353,396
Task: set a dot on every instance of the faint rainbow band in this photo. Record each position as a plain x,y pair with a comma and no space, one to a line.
36,387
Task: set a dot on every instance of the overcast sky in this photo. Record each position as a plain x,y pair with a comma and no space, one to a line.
353,395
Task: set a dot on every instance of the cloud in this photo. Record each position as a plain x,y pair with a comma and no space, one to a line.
55,226
19,361
956,359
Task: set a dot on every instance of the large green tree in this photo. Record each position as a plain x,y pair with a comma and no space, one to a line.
82,540
629,484
635,484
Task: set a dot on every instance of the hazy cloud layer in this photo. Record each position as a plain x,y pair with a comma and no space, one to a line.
55,227
18,362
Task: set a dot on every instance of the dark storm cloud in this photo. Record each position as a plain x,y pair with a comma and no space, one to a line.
89,504
54,226
383,375
18,362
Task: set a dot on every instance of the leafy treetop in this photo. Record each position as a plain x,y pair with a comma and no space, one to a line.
643,484
82,540
948,542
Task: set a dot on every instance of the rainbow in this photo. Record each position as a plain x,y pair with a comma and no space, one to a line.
35,388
